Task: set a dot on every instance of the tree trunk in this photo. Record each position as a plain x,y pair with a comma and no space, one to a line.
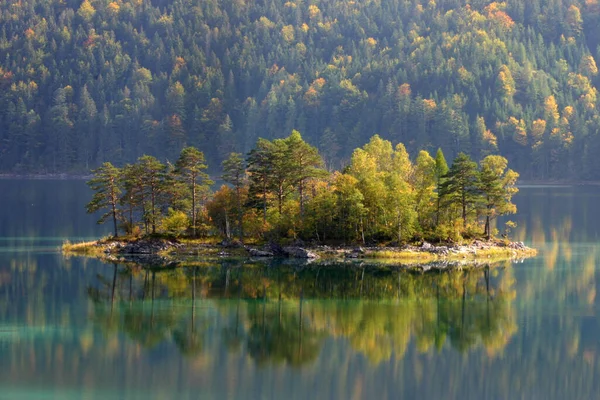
113,204
240,214
264,203
280,198
114,214
130,216
153,212
301,189
194,205
227,230
464,207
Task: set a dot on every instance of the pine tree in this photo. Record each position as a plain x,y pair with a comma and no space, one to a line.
106,185
306,163
234,173
153,174
461,186
441,169
260,169
190,168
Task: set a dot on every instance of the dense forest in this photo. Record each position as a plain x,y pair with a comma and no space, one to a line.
82,82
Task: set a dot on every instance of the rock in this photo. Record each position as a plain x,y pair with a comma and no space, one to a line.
517,246
232,243
260,253
427,246
440,250
143,246
276,249
298,252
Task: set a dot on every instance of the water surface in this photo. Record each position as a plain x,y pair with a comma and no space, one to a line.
78,328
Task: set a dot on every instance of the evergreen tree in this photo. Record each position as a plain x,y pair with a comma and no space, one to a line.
306,163
260,169
461,187
105,184
153,175
133,195
234,173
190,169
441,169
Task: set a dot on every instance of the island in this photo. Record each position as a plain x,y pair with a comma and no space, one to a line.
281,201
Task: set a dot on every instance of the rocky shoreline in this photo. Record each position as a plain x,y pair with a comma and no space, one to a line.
153,250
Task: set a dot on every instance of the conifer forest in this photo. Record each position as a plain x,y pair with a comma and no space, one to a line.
84,82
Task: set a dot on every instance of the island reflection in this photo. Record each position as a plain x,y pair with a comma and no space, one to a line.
282,313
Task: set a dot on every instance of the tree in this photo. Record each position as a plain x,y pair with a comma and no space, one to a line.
153,174
441,169
424,182
306,163
281,178
133,196
349,208
106,185
234,173
260,169
497,185
190,168
461,185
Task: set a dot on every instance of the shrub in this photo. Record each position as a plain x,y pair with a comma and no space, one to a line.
175,223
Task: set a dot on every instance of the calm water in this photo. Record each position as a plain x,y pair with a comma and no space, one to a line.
77,328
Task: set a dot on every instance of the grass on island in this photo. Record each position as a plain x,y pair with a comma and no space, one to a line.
91,248
495,253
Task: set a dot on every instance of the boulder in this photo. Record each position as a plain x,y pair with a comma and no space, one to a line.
259,253
298,252
147,246
232,243
517,245
443,250
427,246
276,249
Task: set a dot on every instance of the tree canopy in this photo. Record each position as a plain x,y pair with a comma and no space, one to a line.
281,191
84,82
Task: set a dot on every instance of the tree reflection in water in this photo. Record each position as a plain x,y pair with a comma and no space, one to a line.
281,312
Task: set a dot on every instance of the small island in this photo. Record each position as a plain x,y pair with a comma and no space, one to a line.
281,201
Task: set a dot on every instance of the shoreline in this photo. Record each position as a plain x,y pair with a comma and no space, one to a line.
157,250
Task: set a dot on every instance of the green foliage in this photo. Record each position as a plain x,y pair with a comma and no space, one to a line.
424,182
497,185
105,184
189,170
175,222
85,82
382,196
234,173
459,191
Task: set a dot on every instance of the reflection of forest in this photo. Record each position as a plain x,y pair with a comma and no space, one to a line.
562,224
282,313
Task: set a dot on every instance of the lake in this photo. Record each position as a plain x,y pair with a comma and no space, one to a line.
77,328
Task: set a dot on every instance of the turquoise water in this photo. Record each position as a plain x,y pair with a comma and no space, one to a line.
77,328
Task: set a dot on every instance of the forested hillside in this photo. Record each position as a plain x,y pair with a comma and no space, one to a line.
86,82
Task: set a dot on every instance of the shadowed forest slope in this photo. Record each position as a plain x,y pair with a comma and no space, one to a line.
86,82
